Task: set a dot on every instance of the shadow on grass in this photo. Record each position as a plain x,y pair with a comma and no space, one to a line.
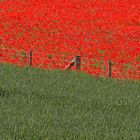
4,92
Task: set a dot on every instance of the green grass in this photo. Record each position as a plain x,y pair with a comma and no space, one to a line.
54,105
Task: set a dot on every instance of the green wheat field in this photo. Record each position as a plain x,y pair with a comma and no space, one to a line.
40,104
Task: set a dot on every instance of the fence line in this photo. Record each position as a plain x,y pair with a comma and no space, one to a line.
98,66
51,56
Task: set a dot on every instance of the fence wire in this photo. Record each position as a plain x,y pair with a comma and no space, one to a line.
96,66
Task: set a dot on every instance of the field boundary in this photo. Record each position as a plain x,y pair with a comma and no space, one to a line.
96,66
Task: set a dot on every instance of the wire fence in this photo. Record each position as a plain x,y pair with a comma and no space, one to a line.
97,67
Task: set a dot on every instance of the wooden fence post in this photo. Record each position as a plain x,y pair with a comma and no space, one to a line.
109,69
78,62
30,58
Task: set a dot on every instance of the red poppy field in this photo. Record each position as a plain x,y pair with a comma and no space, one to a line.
57,30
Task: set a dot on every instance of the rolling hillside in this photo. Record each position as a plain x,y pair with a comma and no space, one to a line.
100,29
56,105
